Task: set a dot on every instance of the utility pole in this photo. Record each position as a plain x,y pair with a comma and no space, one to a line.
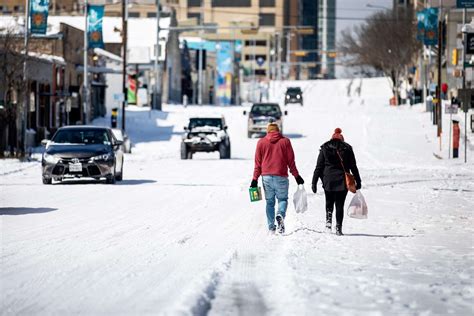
124,45
25,89
288,59
438,89
278,52
157,87
464,37
85,88
200,61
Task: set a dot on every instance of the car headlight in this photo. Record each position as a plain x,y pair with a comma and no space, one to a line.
51,158
287,96
298,96
104,157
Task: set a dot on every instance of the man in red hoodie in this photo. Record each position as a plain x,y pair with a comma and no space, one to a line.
273,157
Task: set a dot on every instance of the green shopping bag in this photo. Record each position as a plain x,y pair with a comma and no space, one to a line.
255,194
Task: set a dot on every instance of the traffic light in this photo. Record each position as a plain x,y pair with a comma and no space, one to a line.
300,53
454,57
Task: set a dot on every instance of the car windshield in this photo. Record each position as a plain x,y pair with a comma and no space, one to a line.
293,91
82,136
266,109
201,122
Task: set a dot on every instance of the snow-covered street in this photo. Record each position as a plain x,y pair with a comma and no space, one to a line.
181,236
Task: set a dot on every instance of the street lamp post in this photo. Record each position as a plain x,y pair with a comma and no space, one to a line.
85,89
124,45
25,90
465,29
157,86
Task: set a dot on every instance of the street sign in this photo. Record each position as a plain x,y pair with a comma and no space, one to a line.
461,4
68,105
118,97
470,43
451,108
467,98
260,61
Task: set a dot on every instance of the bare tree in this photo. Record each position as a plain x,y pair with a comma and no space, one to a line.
11,77
12,87
386,41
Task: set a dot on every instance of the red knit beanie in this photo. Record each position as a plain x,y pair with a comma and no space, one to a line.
338,134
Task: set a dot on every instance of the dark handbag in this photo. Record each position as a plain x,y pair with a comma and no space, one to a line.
348,177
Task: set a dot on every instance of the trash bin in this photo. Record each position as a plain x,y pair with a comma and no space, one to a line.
429,103
456,136
30,138
158,101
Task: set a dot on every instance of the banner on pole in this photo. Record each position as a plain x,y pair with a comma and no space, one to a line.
95,14
431,27
39,16
224,73
132,89
420,25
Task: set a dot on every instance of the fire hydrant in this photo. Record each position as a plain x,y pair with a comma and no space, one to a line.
456,135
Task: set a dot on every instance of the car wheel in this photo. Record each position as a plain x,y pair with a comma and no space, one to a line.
224,151
110,179
228,151
190,155
119,177
47,180
184,151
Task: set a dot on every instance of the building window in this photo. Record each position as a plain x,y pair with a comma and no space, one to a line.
267,19
260,72
267,3
195,15
151,14
257,43
18,8
257,57
231,3
194,3
133,14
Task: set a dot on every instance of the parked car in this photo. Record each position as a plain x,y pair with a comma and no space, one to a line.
82,151
123,137
260,115
294,95
205,134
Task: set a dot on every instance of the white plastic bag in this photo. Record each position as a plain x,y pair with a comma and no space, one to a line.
299,200
358,208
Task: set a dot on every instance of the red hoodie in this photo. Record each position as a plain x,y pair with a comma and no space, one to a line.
273,156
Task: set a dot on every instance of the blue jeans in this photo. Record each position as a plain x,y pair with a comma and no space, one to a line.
275,187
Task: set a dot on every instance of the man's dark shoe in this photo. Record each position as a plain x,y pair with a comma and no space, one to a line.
339,231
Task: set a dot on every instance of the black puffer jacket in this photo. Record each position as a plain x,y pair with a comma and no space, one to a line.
329,167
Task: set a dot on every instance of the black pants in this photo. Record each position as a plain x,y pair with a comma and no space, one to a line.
338,198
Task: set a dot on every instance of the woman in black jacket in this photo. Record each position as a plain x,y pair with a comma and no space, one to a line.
334,157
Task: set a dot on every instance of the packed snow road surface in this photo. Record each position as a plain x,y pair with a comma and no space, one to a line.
181,237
